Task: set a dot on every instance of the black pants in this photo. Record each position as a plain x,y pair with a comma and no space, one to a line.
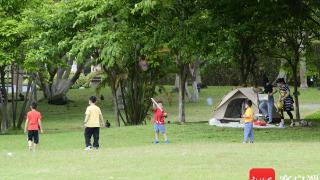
33,135
88,132
288,112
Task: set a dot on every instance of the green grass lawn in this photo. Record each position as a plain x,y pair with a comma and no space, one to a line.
196,150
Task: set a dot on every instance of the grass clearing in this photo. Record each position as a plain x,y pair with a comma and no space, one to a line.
196,150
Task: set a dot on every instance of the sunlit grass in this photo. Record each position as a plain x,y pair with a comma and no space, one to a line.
196,150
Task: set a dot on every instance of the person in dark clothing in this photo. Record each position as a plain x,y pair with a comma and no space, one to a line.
270,91
93,121
285,99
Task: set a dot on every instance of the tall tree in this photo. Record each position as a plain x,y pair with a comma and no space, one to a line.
123,41
11,38
182,27
294,31
242,34
50,28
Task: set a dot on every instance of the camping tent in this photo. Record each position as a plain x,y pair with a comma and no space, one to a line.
232,105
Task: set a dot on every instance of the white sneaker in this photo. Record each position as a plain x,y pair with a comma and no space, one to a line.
88,148
281,125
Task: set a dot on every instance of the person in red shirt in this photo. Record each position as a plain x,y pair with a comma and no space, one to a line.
158,122
33,125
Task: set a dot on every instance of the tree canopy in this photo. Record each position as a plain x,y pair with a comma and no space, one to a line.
140,42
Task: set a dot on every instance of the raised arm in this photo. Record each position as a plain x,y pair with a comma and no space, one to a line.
154,106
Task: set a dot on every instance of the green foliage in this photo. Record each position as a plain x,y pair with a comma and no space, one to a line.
169,35
313,58
50,31
118,38
9,34
84,80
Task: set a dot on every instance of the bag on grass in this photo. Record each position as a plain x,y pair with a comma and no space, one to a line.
259,123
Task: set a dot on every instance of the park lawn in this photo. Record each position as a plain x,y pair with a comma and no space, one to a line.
315,116
196,150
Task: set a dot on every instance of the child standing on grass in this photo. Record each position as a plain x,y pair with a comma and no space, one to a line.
33,125
158,122
92,122
248,122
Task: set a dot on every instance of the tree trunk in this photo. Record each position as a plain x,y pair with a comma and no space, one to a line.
247,63
195,92
13,92
296,84
4,114
56,89
296,95
125,107
12,96
58,92
25,105
194,72
117,94
282,72
113,83
303,71
246,59
19,87
176,84
243,60
35,94
243,77
3,102
120,103
187,90
198,74
116,107
183,69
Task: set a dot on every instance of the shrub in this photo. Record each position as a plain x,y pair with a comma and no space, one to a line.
84,81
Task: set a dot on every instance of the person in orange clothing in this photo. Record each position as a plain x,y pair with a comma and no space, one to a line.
248,122
33,125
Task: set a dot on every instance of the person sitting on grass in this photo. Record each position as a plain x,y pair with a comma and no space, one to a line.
158,122
92,123
248,122
33,125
